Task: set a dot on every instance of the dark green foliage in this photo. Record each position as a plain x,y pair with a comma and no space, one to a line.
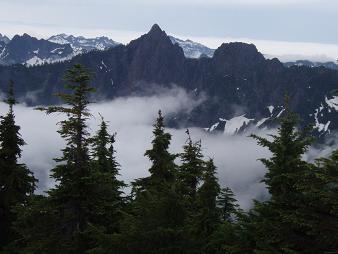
294,219
73,200
322,198
157,213
207,199
286,164
17,182
227,204
109,201
206,219
191,171
37,225
163,168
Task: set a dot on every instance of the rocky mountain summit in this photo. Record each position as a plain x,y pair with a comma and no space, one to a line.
241,89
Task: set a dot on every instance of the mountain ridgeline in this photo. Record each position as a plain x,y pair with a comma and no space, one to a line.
241,88
27,50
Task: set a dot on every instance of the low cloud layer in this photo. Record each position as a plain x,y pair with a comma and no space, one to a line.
283,50
132,119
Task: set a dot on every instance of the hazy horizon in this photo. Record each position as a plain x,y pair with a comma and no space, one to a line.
288,29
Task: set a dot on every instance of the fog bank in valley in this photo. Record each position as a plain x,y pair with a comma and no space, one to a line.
132,118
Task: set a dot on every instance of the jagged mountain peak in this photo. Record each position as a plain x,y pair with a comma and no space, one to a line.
156,34
156,29
155,38
153,56
4,38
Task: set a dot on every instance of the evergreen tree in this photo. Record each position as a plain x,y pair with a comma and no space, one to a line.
109,204
163,168
207,218
320,190
109,200
282,224
287,148
17,182
207,198
157,213
191,171
227,203
73,200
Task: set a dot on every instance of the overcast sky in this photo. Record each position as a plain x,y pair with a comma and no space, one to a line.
310,23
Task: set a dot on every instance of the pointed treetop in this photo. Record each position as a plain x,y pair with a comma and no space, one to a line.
77,74
189,137
10,100
159,124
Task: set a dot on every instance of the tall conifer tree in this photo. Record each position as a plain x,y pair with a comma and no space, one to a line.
207,218
73,197
17,182
157,210
282,225
109,200
191,171
227,203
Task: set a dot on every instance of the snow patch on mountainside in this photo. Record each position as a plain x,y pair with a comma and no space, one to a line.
332,103
260,122
213,127
271,108
81,44
233,125
321,127
192,49
35,60
280,113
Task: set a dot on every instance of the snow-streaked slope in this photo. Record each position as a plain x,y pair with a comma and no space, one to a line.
321,119
233,125
4,38
332,103
81,44
193,49
28,50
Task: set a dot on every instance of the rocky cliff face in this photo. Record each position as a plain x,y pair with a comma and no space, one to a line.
241,87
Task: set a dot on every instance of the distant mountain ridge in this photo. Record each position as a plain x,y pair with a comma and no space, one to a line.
79,45
28,50
82,44
242,89
330,65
